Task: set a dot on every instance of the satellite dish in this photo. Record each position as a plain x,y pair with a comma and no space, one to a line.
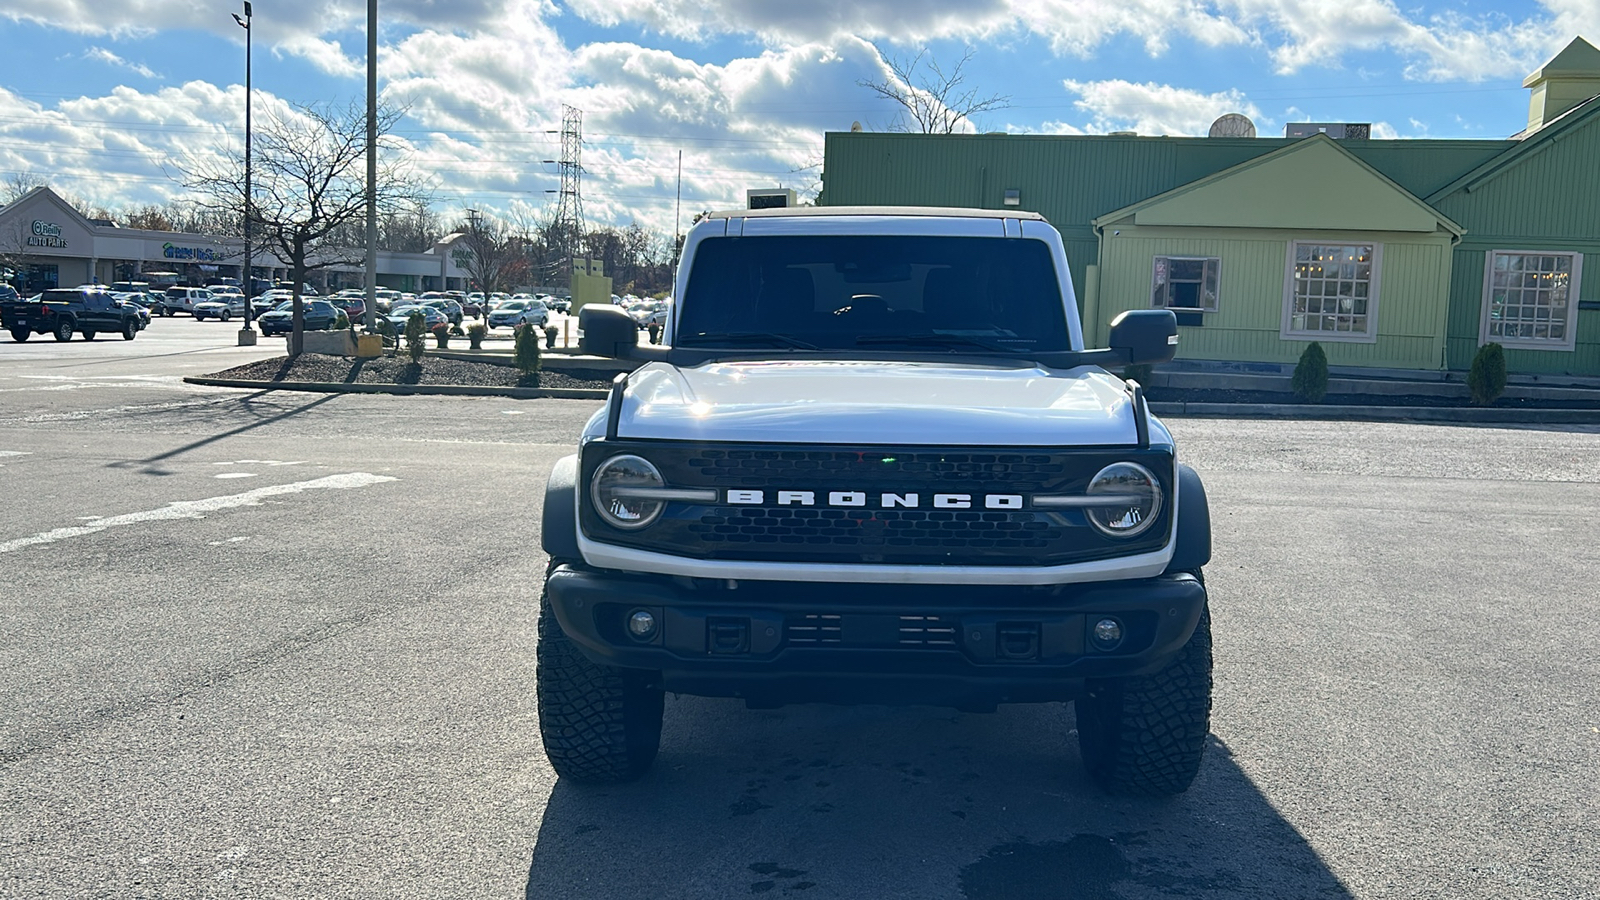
855,126
1233,125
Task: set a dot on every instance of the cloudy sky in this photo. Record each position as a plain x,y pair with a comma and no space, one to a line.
104,99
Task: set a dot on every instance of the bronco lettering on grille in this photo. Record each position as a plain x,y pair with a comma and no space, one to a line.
885,500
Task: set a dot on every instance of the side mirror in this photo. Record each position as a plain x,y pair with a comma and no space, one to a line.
607,331
1146,335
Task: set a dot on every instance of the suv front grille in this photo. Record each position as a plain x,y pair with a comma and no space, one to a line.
881,528
900,536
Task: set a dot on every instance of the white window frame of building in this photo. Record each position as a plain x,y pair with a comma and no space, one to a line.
1317,278
1161,282
1542,290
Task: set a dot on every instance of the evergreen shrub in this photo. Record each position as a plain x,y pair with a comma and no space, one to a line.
1310,381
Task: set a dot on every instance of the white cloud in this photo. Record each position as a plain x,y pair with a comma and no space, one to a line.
327,56
101,54
1154,109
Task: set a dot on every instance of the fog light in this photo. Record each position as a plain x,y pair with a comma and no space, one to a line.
1107,634
642,624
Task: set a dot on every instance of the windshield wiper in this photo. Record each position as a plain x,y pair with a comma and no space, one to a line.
718,337
936,338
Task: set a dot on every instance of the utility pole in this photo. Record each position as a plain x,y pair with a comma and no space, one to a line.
677,217
247,334
372,167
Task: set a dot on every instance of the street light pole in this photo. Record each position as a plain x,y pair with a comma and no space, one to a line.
372,167
247,334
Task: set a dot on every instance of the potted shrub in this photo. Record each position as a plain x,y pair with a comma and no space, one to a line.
475,335
550,334
441,334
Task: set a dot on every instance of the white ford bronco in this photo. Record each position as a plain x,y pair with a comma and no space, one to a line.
875,463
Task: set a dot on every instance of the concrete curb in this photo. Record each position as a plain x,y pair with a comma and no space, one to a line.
1436,414
446,390
1445,415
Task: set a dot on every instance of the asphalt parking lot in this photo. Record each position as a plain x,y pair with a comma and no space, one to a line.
265,644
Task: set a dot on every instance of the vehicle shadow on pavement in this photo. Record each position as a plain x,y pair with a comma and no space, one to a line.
876,802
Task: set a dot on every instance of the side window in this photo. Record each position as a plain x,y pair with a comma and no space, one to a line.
1331,291
1530,299
1185,283
97,301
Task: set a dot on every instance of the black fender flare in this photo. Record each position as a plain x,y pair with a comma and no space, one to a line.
558,527
1192,549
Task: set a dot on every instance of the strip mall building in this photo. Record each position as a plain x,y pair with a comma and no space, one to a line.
46,243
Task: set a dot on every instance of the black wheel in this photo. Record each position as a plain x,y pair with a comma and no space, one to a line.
1144,736
166,311
64,330
20,334
600,724
88,335
224,315
129,329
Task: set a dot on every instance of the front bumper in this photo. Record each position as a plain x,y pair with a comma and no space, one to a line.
970,647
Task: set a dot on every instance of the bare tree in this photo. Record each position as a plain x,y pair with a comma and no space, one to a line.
488,256
150,217
18,183
309,186
932,101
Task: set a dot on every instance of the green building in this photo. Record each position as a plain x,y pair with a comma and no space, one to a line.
1391,254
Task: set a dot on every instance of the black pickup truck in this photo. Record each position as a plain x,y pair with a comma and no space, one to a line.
65,311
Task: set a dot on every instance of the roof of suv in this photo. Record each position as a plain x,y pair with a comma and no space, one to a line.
926,211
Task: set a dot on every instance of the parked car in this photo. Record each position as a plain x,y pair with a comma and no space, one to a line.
221,307
143,311
182,300
519,312
354,305
451,309
320,315
431,316
64,312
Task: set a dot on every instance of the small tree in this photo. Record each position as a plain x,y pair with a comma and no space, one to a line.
1487,377
416,328
527,353
1310,381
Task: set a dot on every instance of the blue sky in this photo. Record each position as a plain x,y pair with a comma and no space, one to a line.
109,102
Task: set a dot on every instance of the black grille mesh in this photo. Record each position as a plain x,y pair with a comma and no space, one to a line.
821,534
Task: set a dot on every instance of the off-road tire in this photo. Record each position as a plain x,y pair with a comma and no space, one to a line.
20,334
64,330
129,329
600,724
1145,735
89,335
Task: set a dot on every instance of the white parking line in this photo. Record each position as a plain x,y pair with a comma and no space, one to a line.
197,509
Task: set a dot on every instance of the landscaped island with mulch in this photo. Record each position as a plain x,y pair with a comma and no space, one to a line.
315,367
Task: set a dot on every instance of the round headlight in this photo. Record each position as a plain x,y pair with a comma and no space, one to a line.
1132,500
621,489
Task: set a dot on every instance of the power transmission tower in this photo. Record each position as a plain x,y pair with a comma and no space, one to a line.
569,214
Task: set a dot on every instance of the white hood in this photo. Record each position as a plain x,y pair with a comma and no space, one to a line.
875,402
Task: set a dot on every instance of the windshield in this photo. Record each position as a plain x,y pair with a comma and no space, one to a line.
834,291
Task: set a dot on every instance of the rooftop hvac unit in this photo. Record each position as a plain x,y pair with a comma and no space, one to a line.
1341,131
770,198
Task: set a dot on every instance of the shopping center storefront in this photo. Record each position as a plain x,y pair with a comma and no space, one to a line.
45,243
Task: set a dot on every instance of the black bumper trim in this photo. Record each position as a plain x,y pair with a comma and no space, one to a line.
883,644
